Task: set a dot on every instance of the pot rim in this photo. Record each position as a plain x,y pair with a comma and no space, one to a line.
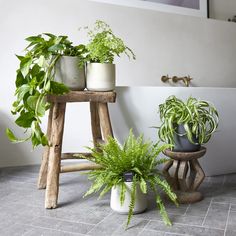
99,63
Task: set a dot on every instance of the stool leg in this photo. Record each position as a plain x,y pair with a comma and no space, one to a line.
105,120
95,123
42,179
54,161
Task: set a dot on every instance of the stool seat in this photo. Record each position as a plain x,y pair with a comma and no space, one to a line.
84,96
52,156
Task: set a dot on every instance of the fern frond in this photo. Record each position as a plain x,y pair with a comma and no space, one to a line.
132,201
122,193
143,185
105,190
162,210
166,188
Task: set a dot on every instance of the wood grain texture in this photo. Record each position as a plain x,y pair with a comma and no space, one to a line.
185,156
105,121
95,123
83,96
54,161
185,174
79,167
75,155
199,176
42,179
182,174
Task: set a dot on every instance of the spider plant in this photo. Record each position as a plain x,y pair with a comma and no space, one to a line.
134,156
199,119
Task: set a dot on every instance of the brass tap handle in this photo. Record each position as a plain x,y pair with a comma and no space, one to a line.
165,78
175,79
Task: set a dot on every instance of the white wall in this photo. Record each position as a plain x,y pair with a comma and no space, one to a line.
164,43
222,10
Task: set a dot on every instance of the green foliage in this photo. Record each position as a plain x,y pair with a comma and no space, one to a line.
104,45
136,156
35,79
199,118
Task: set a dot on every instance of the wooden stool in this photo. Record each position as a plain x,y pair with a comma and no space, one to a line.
185,174
51,161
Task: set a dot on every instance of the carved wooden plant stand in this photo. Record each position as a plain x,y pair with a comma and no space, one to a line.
185,174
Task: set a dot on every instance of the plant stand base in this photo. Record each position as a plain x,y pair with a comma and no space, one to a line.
184,173
189,197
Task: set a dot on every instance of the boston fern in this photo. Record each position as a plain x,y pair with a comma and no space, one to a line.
103,45
134,156
199,118
35,79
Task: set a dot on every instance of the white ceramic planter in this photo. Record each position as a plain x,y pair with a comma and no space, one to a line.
101,77
140,203
69,73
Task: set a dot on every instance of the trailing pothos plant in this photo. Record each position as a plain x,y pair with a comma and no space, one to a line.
199,119
104,45
35,79
134,156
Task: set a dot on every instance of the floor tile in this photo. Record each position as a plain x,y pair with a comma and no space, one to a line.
198,209
73,227
49,232
188,220
15,230
151,233
184,229
217,215
233,207
231,224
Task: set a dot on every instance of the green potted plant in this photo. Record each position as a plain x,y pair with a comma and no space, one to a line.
42,71
130,171
102,48
187,125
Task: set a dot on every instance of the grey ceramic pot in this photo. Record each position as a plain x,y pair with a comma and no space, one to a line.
182,144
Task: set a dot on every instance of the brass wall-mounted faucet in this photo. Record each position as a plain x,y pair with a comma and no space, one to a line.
175,79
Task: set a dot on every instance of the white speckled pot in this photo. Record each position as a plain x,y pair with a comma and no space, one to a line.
101,76
140,202
69,73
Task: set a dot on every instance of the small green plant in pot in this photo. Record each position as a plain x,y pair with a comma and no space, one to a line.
130,171
187,125
39,75
102,49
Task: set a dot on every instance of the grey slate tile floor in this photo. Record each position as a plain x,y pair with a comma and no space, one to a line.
22,210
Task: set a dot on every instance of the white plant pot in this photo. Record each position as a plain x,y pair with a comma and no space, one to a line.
140,201
68,72
101,77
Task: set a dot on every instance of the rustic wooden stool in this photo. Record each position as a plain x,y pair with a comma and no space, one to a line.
51,161
185,174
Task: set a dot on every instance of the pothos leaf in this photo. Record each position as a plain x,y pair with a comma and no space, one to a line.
25,119
21,91
13,138
38,101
